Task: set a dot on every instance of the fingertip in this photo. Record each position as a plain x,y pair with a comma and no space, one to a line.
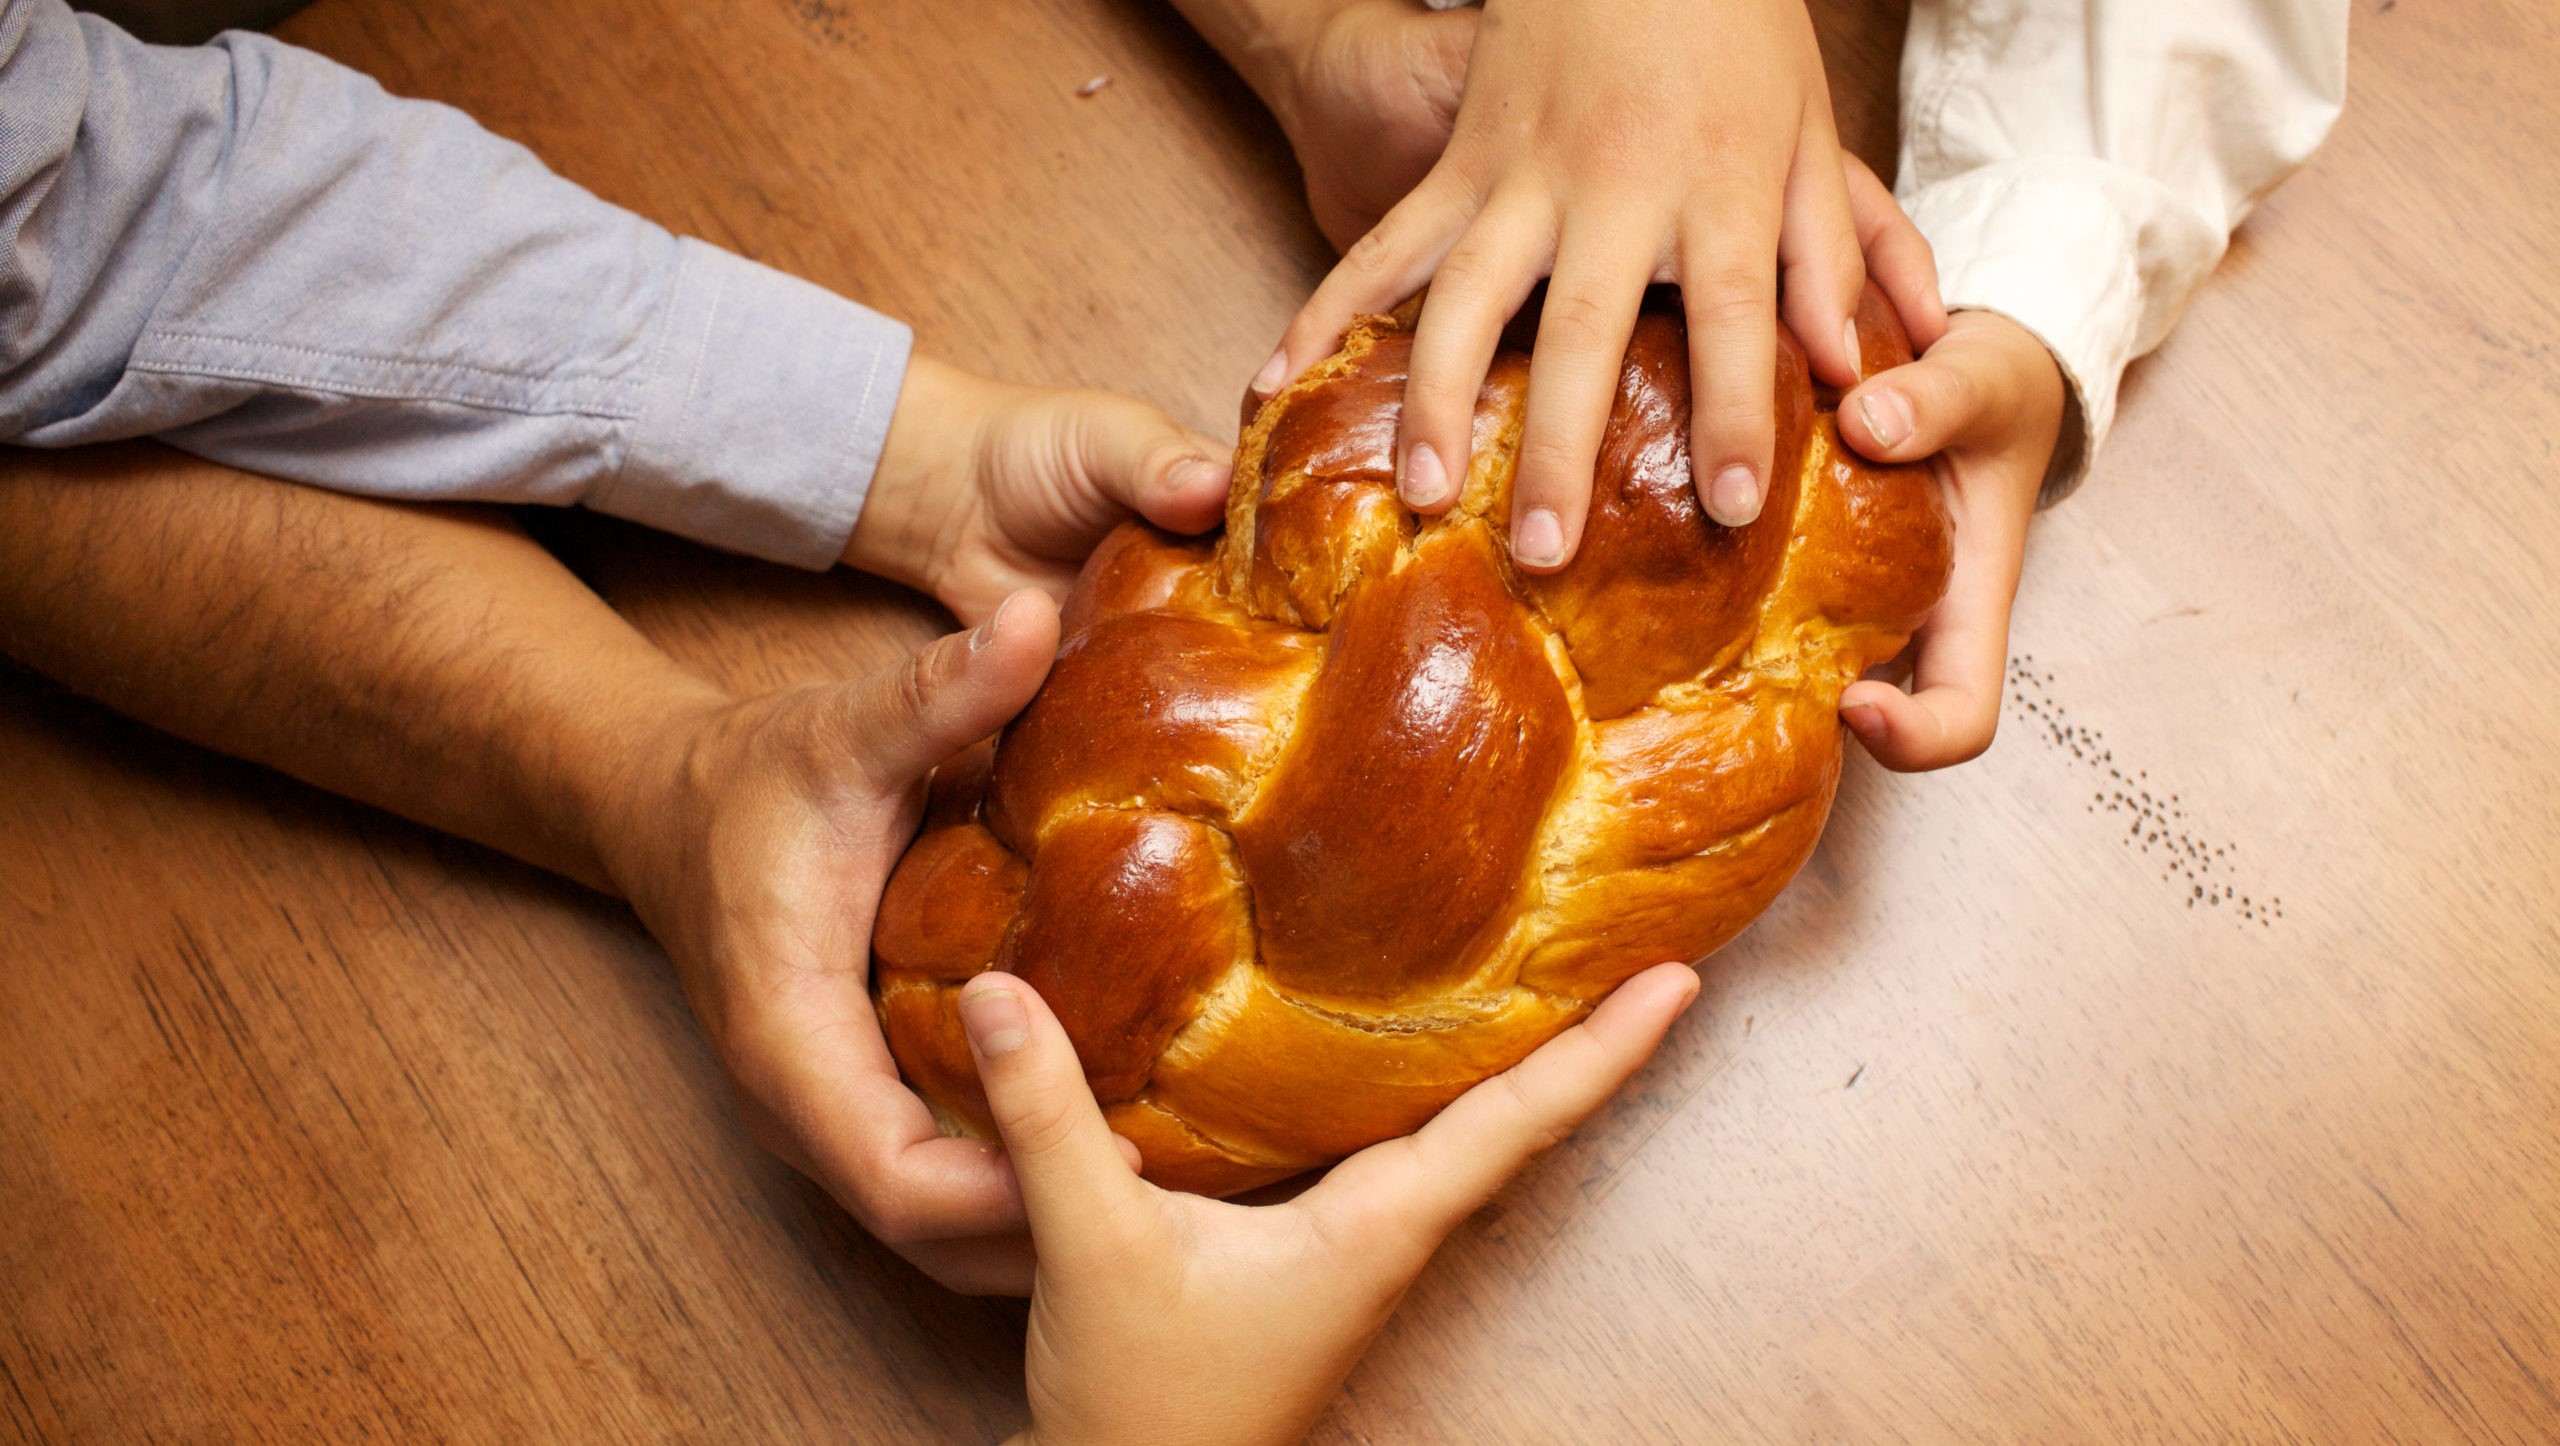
1192,493
1655,997
1424,480
1539,543
1868,722
1026,619
1733,496
994,1016
1828,332
1878,419
1686,985
1274,374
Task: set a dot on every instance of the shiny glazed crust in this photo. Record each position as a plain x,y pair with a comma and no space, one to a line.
1320,822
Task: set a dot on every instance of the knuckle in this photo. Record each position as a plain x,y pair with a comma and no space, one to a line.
1620,147
1580,323
1542,1130
1039,1124
894,1217
1971,737
1471,275
913,684
1733,298
1554,470
1438,400
1731,420
1373,256
1963,395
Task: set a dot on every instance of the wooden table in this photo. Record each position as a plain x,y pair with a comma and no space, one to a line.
2188,1068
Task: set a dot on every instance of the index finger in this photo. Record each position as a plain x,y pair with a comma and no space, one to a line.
1395,260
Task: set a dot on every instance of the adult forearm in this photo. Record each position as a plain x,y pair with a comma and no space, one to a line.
436,663
174,221
1265,40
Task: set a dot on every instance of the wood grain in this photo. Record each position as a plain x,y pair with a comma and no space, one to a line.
2186,1069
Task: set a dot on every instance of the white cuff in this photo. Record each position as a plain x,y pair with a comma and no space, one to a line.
2054,243
763,408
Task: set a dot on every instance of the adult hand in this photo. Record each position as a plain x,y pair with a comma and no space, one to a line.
1368,103
1366,91
1984,404
1609,144
754,844
1163,1317
985,488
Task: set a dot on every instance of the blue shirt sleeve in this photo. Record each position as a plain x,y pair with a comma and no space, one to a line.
255,254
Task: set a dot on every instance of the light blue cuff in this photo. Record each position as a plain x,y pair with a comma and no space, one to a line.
764,406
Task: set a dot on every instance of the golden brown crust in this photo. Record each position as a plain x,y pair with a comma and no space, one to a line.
1128,917
1311,830
1173,1154
1660,593
1437,701
922,1022
1281,1077
949,905
1161,710
1135,569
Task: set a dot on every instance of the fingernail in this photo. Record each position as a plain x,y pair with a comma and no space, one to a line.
1274,371
995,1020
1864,719
1887,414
1200,473
1733,498
1849,339
986,631
1539,539
1425,480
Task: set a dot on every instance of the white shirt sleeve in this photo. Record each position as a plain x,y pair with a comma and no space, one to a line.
2078,165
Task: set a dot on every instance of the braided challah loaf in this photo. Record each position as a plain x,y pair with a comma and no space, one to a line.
1315,825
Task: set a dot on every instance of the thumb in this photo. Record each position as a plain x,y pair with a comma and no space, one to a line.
1978,387
1149,463
904,720
1074,1176
1915,410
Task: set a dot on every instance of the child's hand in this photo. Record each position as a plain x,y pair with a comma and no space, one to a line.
1984,401
1609,144
1161,1317
753,839
985,488
1986,398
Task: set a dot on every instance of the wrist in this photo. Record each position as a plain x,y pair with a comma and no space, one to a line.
1267,42
633,792
927,466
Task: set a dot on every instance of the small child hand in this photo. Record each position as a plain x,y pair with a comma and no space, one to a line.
1161,1317
985,488
1984,405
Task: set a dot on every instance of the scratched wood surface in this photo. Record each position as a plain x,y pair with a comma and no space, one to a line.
2186,1069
